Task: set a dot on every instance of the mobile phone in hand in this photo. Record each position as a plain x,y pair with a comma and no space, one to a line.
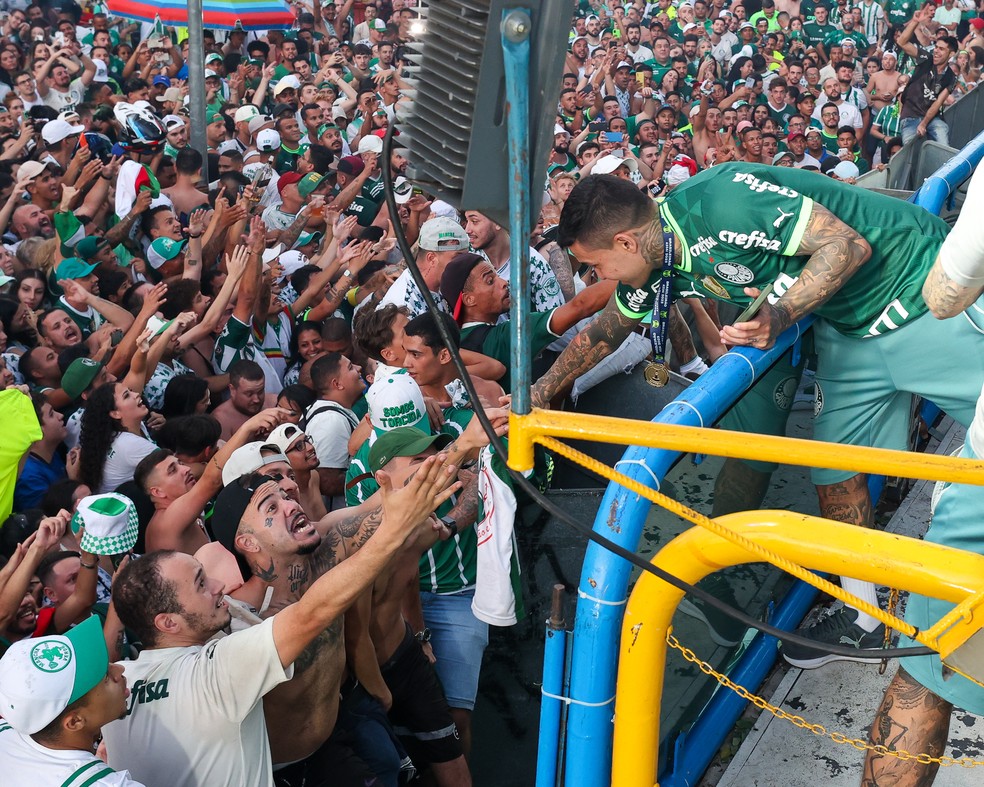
755,305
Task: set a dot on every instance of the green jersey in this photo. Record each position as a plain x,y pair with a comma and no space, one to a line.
899,12
837,36
815,33
740,225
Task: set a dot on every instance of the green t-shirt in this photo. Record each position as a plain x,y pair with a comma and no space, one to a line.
815,33
899,12
740,225
837,36
497,340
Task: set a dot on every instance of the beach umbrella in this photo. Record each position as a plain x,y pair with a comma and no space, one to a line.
219,14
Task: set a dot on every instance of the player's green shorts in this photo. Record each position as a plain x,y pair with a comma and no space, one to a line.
956,523
864,386
764,408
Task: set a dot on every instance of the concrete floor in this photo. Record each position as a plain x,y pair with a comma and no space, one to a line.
843,697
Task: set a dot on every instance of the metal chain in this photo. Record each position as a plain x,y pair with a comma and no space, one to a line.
817,729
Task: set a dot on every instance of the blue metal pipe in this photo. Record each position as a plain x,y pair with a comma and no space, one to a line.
516,28
551,710
693,750
604,577
939,186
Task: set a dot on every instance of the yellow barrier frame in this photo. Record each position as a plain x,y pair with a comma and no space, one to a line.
524,431
900,562
820,544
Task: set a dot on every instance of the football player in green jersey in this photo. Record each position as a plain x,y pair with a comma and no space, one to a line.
854,258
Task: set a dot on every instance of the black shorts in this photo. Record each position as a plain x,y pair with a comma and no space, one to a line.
420,713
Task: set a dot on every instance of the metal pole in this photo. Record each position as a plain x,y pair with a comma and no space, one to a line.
516,28
551,709
196,82
605,577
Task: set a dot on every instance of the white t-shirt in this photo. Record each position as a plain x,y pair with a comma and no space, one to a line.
330,429
124,456
63,102
27,762
195,715
850,115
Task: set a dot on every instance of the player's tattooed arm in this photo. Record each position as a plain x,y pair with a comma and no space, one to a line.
597,341
943,296
836,253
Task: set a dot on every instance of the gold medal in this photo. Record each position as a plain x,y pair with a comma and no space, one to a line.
715,287
656,374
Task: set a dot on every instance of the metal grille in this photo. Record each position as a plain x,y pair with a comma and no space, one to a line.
455,127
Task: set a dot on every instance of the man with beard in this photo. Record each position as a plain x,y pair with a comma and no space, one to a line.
247,397
29,221
200,716
560,155
43,741
179,499
635,50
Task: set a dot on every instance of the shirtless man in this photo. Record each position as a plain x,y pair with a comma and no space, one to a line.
418,703
884,85
185,194
179,499
246,397
287,554
226,741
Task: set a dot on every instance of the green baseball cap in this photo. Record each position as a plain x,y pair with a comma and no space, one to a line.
325,127
403,441
307,184
79,376
211,116
88,247
41,676
73,268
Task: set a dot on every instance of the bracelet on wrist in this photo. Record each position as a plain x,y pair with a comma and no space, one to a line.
195,237
90,566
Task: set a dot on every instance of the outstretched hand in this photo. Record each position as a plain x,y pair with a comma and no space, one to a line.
406,509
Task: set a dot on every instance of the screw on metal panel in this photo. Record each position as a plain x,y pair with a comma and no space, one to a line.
516,27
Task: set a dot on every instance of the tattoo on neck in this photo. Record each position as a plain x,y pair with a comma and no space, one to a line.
297,575
266,574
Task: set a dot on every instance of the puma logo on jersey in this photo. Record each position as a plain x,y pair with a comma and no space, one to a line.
782,217
760,186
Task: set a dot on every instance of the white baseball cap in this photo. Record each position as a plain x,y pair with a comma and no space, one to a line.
284,435
246,113
289,81
370,144
270,254
40,677
267,140
56,130
247,459
608,164
291,261
395,400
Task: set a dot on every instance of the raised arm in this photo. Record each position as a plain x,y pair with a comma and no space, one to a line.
836,252
405,514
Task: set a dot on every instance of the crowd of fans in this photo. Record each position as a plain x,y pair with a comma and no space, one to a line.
227,413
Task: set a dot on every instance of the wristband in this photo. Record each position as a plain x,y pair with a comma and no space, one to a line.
195,237
450,524
90,566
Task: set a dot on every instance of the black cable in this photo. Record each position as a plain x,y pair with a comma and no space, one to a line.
544,502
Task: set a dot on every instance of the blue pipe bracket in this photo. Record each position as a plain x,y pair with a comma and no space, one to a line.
604,578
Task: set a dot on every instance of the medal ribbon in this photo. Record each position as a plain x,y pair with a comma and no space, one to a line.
661,314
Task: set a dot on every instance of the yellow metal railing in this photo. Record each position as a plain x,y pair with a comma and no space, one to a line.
823,545
785,539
